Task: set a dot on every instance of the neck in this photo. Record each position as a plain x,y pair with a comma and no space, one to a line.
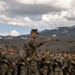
32,37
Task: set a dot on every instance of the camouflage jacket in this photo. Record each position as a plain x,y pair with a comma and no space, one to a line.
32,45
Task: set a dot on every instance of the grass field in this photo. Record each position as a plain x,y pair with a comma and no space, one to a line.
57,43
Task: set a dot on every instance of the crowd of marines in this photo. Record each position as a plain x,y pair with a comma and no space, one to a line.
30,61
14,62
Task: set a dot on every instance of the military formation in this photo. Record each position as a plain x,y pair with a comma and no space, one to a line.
31,61
14,62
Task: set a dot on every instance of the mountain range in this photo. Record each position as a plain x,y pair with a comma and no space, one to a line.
58,32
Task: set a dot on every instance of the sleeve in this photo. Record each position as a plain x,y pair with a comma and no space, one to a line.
39,44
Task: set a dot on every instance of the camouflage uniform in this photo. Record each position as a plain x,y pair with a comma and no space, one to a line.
39,63
33,66
73,64
22,63
18,63
0,62
4,63
32,45
47,64
58,64
66,64
14,58
10,67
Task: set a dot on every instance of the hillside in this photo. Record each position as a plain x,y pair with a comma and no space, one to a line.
61,43
59,32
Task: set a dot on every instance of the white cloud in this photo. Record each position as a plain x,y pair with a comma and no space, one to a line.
12,33
16,14
19,21
48,20
71,14
63,3
3,6
57,20
56,3
26,1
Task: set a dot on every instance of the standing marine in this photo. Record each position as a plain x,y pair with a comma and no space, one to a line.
31,45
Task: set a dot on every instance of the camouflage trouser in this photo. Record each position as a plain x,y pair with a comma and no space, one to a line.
57,72
9,70
46,71
73,71
65,72
14,71
33,71
33,68
23,70
3,69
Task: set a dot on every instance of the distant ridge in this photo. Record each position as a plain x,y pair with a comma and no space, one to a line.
58,32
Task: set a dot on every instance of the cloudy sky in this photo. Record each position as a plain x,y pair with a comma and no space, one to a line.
20,16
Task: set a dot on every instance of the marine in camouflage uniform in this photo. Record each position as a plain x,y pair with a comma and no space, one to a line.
14,59
52,57
0,60
47,63
22,63
58,64
66,65
31,46
72,67
10,65
39,57
18,64
33,66
4,62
